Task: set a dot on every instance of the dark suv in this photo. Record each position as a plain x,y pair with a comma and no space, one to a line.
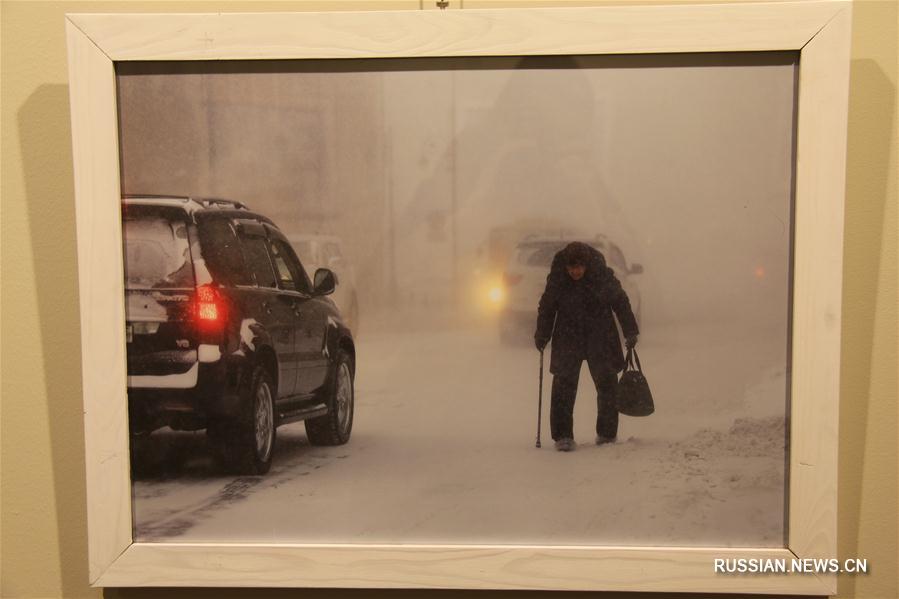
226,332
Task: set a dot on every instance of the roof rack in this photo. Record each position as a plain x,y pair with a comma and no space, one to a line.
159,196
221,203
203,202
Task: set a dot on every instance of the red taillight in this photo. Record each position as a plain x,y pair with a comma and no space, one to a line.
208,304
208,312
511,279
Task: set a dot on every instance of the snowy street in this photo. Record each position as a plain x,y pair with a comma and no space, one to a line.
442,451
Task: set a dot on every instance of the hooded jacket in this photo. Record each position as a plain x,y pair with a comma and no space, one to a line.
577,316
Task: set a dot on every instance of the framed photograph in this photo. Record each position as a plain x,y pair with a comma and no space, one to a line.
512,299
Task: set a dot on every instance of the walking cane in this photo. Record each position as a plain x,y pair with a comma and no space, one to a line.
540,400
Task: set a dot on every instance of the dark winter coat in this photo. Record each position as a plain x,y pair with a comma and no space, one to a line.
577,316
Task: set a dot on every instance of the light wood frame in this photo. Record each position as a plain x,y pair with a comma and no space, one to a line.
818,29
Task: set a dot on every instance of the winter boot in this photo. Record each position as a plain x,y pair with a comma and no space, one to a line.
600,440
565,444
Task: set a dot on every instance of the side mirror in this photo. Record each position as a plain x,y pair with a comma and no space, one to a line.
324,282
636,269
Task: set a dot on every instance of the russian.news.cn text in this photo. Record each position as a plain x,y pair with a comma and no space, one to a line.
753,565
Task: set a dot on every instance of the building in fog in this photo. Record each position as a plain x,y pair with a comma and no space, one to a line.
305,148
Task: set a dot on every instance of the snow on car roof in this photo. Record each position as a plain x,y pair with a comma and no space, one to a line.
188,204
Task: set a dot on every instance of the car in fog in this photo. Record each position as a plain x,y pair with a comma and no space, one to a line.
327,251
226,331
524,281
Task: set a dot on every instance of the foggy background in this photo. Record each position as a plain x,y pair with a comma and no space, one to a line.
430,171
685,162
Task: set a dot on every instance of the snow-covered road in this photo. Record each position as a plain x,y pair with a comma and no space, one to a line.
443,451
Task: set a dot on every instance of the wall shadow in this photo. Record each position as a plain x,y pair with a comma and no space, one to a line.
49,192
871,115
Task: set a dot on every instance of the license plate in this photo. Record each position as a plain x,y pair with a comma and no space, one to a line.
129,333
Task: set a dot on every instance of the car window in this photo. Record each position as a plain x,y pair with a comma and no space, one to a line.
287,273
290,270
286,278
221,252
157,252
257,259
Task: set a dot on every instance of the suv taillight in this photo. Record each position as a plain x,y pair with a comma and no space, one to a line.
209,306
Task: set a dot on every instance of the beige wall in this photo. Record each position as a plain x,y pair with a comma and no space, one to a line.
43,503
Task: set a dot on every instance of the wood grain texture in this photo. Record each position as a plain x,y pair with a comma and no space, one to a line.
817,302
98,223
483,567
604,30
819,28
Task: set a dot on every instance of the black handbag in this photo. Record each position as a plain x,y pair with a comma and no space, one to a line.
632,394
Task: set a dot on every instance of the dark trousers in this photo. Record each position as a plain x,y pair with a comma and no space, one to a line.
561,411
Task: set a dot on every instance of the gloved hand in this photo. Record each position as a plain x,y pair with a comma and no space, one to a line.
540,343
630,342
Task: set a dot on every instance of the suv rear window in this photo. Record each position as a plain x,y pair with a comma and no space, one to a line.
157,252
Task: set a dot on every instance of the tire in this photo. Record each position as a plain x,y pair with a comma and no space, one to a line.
334,428
248,443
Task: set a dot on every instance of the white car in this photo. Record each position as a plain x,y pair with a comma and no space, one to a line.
326,251
525,280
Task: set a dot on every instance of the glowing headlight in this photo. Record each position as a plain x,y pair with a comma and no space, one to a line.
495,294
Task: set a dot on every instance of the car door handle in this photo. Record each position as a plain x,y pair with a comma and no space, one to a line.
266,308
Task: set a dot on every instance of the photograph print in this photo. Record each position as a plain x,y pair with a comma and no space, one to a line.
487,300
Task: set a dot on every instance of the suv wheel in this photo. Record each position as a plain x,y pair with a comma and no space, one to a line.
249,447
334,427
